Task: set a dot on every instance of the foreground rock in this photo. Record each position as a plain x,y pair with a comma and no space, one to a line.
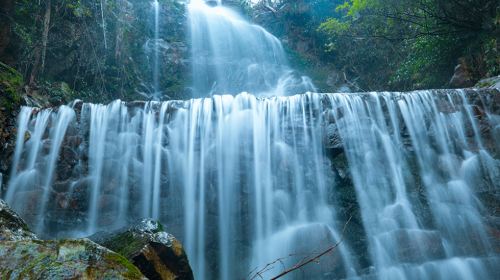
157,254
22,256
62,259
12,227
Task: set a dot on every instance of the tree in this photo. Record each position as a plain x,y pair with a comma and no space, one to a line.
6,8
417,42
41,50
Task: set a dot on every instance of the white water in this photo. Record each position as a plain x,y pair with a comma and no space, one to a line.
244,181
231,55
447,161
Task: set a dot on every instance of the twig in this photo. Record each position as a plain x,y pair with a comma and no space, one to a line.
303,262
315,258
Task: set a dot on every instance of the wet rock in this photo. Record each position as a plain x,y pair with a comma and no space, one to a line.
430,245
10,102
23,256
334,140
63,259
12,227
304,242
159,255
212,3
493,82
462,77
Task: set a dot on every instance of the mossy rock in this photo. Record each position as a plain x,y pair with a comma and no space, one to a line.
12,227
62,259
23,256
492,82
159,255
11,83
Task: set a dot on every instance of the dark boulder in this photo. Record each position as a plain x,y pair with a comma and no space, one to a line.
159,255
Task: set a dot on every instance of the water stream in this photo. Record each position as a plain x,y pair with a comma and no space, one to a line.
231,55
246,180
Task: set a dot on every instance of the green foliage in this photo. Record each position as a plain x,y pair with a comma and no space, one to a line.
354,7
334,27
427,64
417,43
77,8
10,85
77,56
492,57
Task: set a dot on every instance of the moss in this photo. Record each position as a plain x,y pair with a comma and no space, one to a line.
485,84
160,228
126,244
10,84
132,271
32,264
52,259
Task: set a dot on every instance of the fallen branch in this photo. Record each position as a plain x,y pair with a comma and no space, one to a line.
303,262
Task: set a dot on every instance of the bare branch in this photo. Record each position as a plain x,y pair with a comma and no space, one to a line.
309,258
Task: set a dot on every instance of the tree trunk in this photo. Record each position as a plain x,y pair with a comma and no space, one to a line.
45,35
40,52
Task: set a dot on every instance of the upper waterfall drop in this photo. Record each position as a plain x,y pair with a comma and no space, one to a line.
231,55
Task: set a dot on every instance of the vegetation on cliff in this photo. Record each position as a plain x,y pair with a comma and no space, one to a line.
99,51
391,44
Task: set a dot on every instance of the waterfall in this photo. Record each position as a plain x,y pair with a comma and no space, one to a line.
230,55
403,243
245,181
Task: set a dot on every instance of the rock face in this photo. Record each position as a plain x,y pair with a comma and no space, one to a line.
157,254
462,76
23,256
10,102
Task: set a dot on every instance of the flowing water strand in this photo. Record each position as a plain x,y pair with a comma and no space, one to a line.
231,55
63,119
26,176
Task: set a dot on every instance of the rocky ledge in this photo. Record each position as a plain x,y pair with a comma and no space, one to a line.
150,252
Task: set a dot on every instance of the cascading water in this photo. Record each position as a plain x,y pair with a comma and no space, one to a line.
403,242
245,181
230,55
